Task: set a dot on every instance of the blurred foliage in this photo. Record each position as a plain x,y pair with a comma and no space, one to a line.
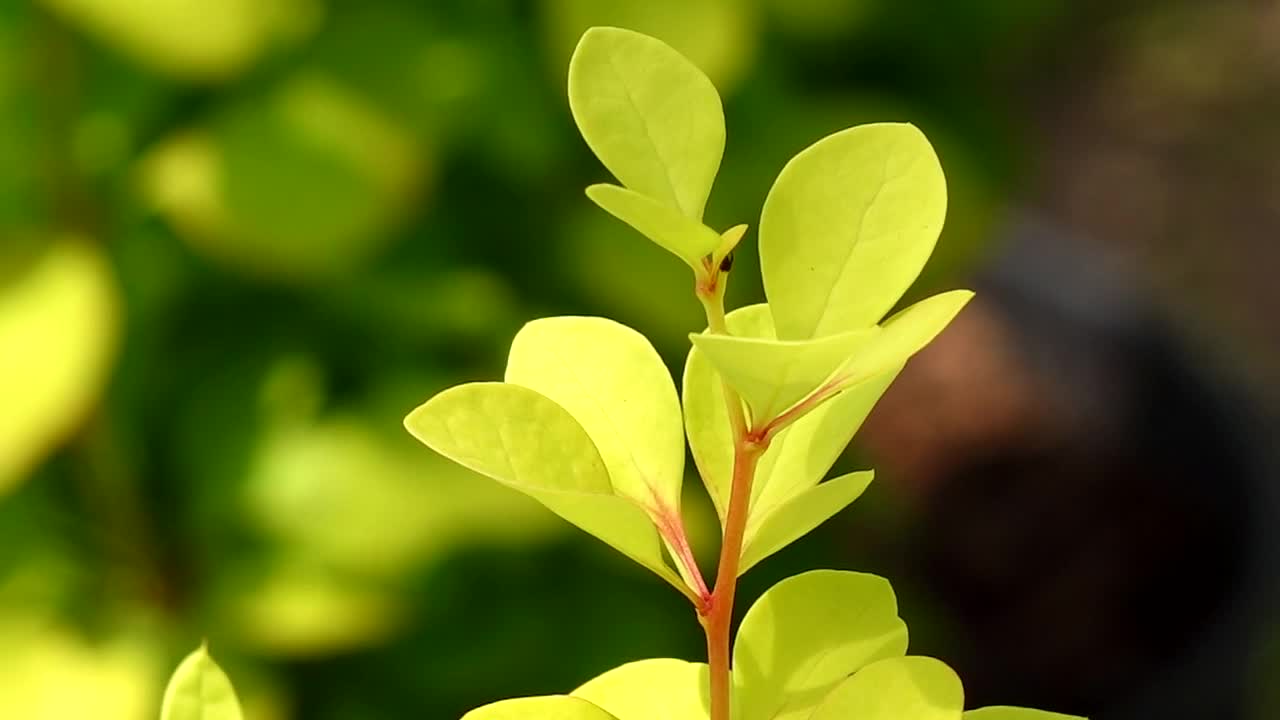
239,240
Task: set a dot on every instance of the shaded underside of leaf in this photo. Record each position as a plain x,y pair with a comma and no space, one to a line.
649,114
651,689
808,633
919,688
794,519
847,227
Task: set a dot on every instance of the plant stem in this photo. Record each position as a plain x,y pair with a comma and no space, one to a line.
720,616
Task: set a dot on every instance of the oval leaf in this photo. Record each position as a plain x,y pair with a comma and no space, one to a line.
675,232
199,690
767,533
650,689
523,439
847,227
1000,712
808,633
652,118
550,707
773,375
615,385
919,688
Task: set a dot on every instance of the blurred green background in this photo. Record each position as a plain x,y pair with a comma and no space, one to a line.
239,240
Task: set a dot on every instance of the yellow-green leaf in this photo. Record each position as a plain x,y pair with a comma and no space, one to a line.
652,689
904,334
199,690
58,327
615,385
847,227
808,633
523,439
768,533
1000,712
550,707
679,234
650,115
901,688
773,375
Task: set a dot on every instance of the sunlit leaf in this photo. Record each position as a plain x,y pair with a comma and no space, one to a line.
808,633
58,327
799,456
773,375
770,532
649,114
521,438
681,235
183,38
551,707
1000,712
918,688
905,334
651,689
847,227
199,690
615,385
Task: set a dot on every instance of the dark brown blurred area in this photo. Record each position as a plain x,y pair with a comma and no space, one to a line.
1092,481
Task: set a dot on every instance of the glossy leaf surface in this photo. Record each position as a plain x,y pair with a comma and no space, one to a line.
199,690
650,115
847,227
770,532
773,375
521,438
649,689
903,688
683,236
808,633
615,385
905,334
551,707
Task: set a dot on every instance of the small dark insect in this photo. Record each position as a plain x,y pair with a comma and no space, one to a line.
727,263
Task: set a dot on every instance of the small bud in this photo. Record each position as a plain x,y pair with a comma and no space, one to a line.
727,263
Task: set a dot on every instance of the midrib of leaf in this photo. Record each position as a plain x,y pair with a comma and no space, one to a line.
849,247
648,133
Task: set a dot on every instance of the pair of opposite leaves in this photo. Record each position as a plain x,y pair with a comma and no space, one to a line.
588,421
823,645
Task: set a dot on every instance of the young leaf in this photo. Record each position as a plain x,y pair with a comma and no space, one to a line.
847,227
550,707
770,532
905,334
650,115
651,689
806,634
615,385
683,236
773,375
1000,712
522,439
199,690
705,418
801,455
919,688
